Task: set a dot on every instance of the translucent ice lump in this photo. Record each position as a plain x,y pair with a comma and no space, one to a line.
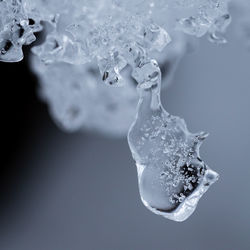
171,175
16,30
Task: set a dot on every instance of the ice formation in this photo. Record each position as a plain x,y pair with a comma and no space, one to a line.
90,45
171,175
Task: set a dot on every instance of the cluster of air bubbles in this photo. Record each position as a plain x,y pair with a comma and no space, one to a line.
89,45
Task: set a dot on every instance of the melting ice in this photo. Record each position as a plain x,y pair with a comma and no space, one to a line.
171,175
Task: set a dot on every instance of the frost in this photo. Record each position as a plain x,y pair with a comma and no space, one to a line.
94,56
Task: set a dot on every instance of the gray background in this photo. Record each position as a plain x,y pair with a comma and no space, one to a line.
82,192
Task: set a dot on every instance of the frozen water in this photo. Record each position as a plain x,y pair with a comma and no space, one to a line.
91,45
73,93
96,103
171,175
81,31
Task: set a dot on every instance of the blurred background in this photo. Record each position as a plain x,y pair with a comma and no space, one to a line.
79,191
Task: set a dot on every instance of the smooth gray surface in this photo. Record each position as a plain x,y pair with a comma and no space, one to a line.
87,195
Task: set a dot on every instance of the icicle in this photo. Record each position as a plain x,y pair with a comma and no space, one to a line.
172,177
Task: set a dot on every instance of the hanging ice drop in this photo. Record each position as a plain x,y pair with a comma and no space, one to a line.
172,177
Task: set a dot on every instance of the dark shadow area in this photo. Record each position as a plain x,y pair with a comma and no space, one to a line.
22,114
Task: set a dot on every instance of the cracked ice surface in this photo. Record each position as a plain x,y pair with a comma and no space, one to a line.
120,39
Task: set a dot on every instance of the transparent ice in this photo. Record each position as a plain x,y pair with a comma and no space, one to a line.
97,59
172,177
242,21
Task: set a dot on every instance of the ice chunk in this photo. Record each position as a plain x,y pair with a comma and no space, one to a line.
16,30
171,175
79,100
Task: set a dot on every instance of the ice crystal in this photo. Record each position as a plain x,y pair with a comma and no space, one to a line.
78,99
82,31
16,30
90,45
